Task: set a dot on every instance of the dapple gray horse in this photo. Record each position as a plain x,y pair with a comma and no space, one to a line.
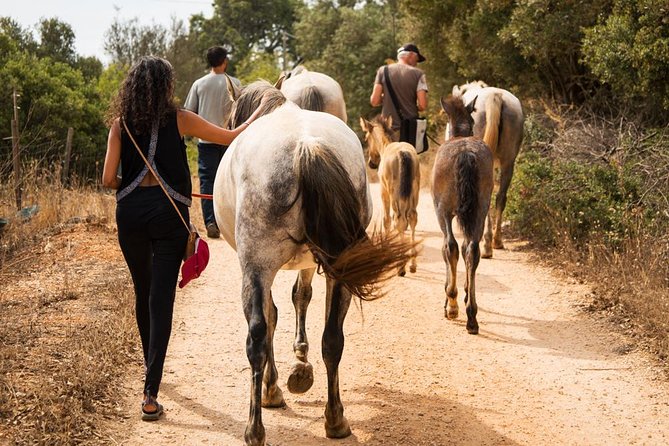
503,111
315,91
291,193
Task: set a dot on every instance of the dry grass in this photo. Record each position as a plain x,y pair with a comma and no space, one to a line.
630,279
67,330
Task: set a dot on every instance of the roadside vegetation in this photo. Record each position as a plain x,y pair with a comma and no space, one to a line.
590,190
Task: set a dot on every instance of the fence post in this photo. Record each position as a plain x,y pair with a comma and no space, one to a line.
68,155
17,163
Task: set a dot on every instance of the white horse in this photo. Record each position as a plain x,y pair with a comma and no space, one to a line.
313,91
291,193
505,135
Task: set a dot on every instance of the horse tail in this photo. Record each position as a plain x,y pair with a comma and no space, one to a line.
406,174
334,229
311,99
467,178
493,117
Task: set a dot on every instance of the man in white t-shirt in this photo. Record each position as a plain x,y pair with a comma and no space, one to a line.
208,97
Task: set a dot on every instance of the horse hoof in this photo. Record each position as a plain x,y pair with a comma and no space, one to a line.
451,313
487,253
412,269
472,328
301,377
254,438
273,398
402,273
497,244
341,430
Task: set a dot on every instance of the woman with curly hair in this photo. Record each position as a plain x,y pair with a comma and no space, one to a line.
151,235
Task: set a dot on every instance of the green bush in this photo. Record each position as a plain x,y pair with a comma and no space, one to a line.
557,200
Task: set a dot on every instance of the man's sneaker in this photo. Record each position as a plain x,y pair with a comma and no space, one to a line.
212,231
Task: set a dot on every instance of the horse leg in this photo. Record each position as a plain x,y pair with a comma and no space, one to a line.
272,396
301,376
401,226
255,295
487,237
413,221
506,172
385,200
337,302
450,252
472,255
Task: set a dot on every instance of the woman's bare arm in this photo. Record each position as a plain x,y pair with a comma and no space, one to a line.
112,157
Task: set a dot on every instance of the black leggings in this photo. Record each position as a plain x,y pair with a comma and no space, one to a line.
153,240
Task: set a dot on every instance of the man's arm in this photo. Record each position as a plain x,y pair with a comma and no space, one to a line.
421,101
421,93
192,100
376,99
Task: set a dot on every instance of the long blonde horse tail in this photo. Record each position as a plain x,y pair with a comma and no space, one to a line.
334,230
493,116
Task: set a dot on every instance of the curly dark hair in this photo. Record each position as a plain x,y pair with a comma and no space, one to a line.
145,95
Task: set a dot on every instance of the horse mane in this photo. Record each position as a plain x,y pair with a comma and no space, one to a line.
250,98
381,121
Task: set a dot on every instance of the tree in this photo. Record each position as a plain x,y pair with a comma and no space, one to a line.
348,44
89,66
53,97
243,25
629,50
13,38
56,41
258,65
127,41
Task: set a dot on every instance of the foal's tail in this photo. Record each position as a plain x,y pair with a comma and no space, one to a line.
406,174
493,116
334,229
467,177
311,99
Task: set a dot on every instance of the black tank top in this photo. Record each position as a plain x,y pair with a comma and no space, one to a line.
165,148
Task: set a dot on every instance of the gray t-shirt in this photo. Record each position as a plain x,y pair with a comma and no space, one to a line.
407,81
208,97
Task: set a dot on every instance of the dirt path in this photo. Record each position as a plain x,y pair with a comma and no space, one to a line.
540,372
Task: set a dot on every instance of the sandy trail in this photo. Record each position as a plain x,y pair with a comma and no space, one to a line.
540,372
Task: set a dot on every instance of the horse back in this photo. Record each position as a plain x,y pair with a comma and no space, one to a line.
445,173
510,123
317,92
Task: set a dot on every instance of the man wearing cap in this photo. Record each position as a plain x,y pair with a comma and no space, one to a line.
408,83
209,98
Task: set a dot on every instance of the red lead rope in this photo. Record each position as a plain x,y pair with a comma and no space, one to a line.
203,196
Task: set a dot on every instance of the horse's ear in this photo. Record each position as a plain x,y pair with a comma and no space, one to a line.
456,91
446,106
232,88
364,124
389,121
279,81
471,107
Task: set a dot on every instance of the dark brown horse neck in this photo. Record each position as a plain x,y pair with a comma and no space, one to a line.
459,117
